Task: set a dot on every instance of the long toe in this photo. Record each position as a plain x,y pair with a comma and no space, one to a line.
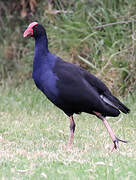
116,143
124,141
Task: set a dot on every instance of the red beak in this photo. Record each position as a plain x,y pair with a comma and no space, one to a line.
29,30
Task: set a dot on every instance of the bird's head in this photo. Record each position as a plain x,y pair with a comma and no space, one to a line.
34,30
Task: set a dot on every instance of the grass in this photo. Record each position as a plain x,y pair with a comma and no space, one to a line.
34,134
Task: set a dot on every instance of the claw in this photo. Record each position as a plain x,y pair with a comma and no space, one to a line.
116,143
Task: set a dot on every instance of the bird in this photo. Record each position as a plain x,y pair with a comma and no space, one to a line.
71,88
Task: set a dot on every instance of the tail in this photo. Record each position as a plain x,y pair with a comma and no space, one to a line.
113,101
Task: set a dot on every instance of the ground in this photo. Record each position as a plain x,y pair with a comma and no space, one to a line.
34,134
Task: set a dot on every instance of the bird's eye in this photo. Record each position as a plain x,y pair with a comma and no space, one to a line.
35,27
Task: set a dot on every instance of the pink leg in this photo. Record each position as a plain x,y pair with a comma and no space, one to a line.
113,137
72,129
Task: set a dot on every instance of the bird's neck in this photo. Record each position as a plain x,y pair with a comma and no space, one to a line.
41,46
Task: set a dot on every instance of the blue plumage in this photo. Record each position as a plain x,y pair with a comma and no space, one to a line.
45,79
70,87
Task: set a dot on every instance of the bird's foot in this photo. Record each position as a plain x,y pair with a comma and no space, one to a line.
116,143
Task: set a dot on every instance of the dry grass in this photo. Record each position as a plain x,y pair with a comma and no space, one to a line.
34,134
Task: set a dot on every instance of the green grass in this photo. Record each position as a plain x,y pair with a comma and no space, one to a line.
108,52
34,134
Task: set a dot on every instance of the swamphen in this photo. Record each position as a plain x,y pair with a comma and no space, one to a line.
69,87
